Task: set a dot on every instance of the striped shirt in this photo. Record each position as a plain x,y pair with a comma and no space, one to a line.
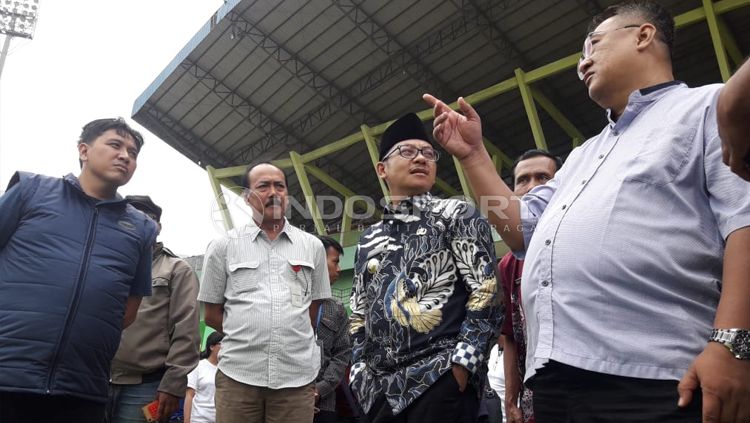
623,273
266,288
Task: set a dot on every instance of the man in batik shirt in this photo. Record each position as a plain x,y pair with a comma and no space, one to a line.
424,302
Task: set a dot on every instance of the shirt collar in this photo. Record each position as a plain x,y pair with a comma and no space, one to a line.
637,102
253,230
159,249
407,206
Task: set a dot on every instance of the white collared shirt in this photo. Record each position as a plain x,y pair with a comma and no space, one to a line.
266,288
623,273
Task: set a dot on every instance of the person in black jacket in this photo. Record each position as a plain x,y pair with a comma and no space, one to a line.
75,261
332,331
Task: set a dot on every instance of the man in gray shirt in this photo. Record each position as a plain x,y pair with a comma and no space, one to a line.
639,251
262,285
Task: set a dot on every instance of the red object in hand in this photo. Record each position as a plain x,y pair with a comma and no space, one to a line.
151,410
296,268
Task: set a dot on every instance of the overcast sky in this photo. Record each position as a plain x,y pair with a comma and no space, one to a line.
91,59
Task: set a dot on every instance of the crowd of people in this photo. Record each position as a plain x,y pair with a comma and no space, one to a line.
625,297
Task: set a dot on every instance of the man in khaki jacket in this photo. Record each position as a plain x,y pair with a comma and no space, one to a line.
162,346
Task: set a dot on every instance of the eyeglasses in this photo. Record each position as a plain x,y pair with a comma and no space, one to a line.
410,152
588,45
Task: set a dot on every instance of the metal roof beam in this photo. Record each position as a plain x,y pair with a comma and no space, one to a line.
501,41
404,60
495,34
239,104
398,62
171,130
277,135
388,44
313,79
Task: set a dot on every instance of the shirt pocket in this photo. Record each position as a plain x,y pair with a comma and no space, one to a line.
300,279
160,285
662,153
244,275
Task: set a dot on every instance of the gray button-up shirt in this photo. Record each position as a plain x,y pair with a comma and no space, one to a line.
266,288
623,271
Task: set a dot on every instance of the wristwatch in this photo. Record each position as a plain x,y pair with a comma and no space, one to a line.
736,340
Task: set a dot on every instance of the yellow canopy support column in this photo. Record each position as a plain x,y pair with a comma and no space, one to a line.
528,103
334,184
219,197
558,117
503,158
721,53
312,205
346,219
372,148
730,43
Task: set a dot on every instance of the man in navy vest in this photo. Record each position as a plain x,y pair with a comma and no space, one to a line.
75,261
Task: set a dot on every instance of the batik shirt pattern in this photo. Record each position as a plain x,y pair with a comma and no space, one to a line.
424,297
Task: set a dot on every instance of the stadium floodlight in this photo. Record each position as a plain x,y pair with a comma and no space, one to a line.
18,17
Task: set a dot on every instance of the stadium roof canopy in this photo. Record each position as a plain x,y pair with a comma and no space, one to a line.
263,78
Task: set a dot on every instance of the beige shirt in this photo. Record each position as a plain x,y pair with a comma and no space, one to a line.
266,288
165,334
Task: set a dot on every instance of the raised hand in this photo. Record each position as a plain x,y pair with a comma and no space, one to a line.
460,134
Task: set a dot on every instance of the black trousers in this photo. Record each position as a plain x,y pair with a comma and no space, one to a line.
441,403
565,394
324,416
34,408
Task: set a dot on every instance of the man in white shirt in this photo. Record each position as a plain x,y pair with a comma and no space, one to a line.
262,285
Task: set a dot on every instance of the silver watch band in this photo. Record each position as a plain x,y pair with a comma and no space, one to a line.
735,339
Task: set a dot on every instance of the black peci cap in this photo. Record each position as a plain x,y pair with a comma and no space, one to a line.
407,127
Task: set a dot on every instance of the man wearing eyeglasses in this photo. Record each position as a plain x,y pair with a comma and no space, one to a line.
635,281
424,295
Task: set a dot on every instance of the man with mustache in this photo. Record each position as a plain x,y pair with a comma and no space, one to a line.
424,299
75,261
635,281
262,285
532,168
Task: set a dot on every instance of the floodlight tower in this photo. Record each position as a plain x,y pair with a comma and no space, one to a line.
17,19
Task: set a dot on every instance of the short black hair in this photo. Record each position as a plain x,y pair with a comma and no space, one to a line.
213,339
95,128
246,176
650,11
530,154
329,242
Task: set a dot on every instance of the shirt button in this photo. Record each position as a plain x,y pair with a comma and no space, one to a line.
547,242
615,133
583,182
601,156
545,283
564,206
